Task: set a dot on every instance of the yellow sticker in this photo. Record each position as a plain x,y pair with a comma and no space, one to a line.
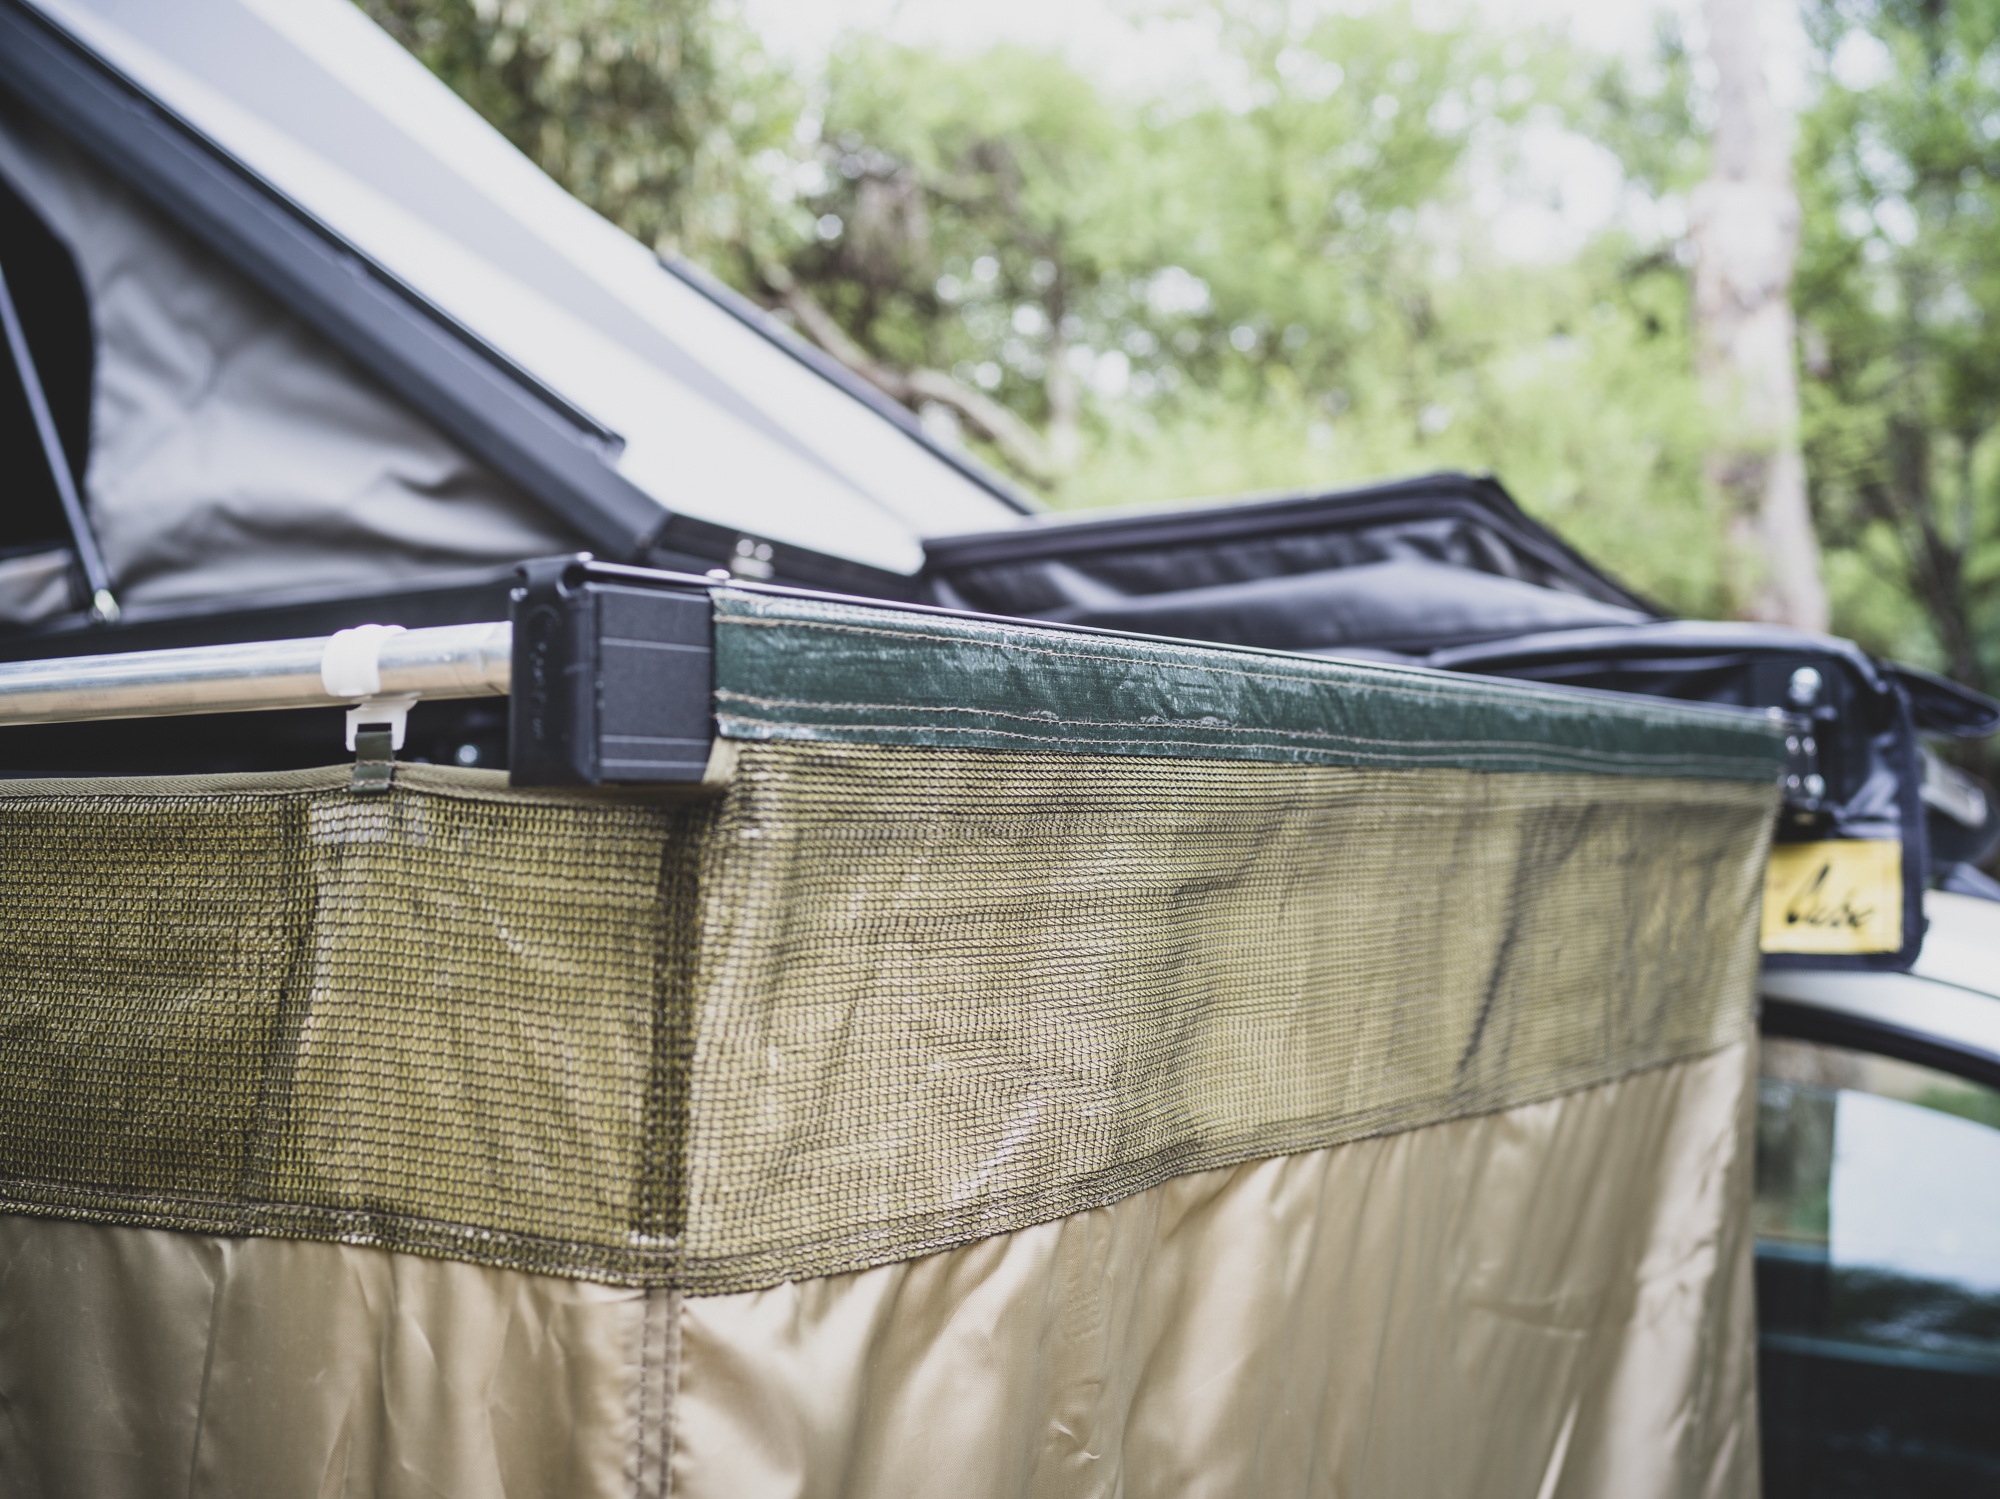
1844,897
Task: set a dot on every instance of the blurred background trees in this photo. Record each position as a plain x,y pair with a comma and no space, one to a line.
1898,299
1295,268
663,115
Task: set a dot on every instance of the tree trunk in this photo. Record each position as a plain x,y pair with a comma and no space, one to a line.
1059,382
1745,222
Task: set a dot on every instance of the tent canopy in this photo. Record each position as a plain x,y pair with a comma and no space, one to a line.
344,330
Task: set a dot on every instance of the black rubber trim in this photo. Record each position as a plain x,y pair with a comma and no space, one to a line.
495,409
1803,1022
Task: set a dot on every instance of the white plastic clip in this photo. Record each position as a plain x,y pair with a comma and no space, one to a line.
351,667
393,711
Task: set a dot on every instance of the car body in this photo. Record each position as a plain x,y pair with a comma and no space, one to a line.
1880,1335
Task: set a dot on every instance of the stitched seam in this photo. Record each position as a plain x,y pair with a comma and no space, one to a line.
1528,751
670,1378
1622,756
639,1490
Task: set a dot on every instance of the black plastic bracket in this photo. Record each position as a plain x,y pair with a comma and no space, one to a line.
613,676
374,758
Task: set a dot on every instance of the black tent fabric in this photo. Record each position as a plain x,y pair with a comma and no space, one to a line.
1397,569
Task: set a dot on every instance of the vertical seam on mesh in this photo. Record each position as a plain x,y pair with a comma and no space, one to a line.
261,1170
661,1203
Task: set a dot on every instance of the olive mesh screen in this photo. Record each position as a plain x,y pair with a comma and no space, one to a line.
947,995
869,1002
437,1022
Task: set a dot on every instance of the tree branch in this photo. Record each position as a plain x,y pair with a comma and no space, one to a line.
1020,444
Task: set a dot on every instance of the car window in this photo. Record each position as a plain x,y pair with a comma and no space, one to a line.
1878,1275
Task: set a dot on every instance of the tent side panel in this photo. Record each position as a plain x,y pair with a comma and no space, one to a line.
1554,1300
950,993
136,1362
872,1002
1055,1061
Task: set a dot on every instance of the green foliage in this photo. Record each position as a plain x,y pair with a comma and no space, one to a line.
1980,1105
1279,277
1645,114
1300,203
1274,284
654,112
971,210
1572,386
1898,296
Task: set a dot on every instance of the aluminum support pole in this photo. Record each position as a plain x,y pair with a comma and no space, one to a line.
451,661
97,576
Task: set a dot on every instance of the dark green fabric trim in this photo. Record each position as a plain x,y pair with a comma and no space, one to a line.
806,670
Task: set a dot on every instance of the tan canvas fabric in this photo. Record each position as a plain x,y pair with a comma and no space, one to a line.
1552,1301
144,1364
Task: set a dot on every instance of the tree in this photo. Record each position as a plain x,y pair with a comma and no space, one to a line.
1746,233
1899,299
654,112
996,216
1276,276
970,212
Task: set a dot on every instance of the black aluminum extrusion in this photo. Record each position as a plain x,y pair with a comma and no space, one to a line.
613,677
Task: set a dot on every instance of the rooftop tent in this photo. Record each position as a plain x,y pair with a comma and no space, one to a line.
1398,569
346,336
230,449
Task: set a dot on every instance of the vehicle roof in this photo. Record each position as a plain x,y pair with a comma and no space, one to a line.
1951,995
1962,947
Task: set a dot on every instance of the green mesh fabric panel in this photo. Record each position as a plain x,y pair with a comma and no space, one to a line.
946,995
869,1002
440,1023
